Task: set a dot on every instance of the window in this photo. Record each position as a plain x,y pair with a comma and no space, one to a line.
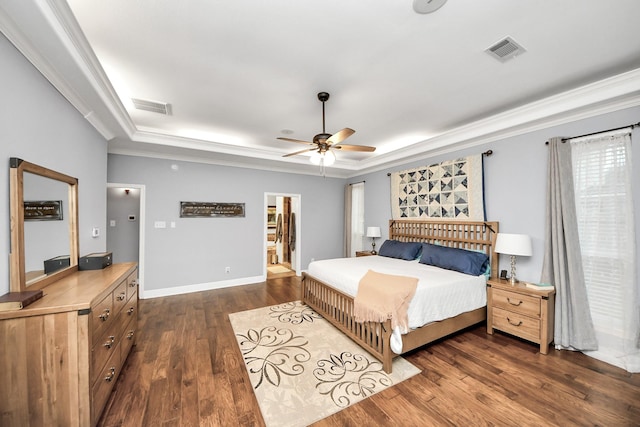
604,208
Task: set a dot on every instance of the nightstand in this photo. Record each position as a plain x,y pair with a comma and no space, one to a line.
364,253
518,310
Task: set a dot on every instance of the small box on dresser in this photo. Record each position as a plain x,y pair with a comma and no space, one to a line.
521,311
57,263
95,261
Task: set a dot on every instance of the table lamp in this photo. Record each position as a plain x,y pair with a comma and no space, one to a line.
514,245
373,232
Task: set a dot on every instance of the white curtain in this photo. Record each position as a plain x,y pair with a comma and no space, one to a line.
604,207
562,263
357,218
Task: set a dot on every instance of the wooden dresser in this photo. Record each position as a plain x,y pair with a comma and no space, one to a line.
521,311
61,355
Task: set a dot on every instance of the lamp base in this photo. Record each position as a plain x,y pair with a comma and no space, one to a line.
513,279
373,247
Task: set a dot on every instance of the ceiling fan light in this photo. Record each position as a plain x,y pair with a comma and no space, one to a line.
316,157
329,158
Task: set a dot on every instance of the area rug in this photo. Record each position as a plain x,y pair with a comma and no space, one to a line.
278,269
302,368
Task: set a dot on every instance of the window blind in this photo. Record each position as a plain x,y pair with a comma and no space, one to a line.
602,185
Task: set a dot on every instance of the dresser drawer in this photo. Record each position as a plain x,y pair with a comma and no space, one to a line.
132,284
516,324
128,338
518,303
103,348
102,315
104,382
120,296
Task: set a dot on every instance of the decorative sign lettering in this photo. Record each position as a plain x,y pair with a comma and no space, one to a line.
49,210
211,210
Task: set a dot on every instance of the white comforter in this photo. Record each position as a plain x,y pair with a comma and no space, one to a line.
440,294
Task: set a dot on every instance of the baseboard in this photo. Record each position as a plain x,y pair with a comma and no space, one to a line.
187,289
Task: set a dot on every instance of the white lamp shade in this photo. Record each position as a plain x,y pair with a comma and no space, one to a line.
316,157
329,158
513,244
373,231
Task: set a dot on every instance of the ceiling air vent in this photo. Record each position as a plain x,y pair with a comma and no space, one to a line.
505,49
154,107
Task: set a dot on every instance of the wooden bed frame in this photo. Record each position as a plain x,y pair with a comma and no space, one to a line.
337,307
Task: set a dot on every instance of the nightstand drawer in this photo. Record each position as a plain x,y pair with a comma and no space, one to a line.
516,324
518,303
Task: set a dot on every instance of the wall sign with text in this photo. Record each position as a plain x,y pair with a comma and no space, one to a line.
211,210
49,210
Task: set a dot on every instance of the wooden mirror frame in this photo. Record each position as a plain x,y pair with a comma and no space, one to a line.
17,168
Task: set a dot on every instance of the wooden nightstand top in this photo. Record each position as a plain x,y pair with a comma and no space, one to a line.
519,288
364,253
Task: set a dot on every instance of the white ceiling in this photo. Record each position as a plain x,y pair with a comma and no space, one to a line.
238,73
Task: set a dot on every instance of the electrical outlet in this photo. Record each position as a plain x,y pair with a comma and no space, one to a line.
227,269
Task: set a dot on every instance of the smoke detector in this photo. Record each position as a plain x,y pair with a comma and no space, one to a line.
505,49
153,106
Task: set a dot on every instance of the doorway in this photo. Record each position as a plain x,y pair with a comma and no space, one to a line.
282,253
125,225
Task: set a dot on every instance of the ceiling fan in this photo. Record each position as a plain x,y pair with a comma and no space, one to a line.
324,143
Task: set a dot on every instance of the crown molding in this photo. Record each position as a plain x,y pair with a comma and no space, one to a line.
68,58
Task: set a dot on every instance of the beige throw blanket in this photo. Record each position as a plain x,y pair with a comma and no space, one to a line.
384,296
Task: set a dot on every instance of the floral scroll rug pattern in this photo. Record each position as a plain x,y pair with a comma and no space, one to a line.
303,369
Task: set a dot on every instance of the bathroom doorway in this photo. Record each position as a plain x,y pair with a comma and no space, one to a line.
282,243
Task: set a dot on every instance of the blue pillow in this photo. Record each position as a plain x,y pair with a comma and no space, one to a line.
402,250
462,260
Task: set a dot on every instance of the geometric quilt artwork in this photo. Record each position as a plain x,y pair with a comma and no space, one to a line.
451,189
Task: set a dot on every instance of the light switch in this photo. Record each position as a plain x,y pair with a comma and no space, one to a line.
160,224
112,223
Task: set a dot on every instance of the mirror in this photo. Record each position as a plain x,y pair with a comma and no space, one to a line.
44,225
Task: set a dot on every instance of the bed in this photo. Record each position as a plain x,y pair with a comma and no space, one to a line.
332,296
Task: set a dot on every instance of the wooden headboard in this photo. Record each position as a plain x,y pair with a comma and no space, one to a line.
472,235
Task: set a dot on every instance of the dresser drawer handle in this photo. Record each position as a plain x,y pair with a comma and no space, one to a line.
121,297
110,341
509,301
105,315
133,283
514,324
130,335
112,373
130,311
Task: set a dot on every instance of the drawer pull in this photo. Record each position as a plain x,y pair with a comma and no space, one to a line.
105,315
514,324
130,335
110,341
112,373
133,283
509,301
130,311
121,297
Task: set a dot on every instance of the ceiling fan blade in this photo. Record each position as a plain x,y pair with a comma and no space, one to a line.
354,147
340,136
299,141
300,152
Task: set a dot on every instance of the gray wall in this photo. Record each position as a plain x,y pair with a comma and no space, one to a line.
123,238
515,184
38,125
197,250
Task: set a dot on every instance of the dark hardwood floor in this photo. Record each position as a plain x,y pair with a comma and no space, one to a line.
186,370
